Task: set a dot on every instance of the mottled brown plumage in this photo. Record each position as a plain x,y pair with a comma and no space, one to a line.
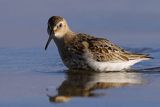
83,51
101,49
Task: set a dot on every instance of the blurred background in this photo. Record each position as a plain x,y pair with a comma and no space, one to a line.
132,23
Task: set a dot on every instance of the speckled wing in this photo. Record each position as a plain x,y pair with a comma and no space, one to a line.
102,50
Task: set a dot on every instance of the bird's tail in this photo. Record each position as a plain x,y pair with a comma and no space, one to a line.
133,56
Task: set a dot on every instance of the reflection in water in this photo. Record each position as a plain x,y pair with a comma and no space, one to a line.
83,84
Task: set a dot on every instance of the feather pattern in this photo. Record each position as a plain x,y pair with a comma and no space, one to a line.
83,51
102,50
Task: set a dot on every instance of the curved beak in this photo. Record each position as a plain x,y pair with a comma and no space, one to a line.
50,38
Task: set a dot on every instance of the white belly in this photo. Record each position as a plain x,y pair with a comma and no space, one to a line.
111,66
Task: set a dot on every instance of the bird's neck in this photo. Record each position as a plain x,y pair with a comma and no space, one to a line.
67,38
63,42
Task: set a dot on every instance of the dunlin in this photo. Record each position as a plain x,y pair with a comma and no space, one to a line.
85,52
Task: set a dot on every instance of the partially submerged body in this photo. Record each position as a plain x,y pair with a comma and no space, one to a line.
85,52
90,53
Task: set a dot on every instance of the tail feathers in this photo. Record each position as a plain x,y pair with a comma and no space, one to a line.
133,56
147,57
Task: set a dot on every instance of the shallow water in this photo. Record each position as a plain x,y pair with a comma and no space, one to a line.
32,77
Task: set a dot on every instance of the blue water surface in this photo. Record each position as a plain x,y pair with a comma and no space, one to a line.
33,77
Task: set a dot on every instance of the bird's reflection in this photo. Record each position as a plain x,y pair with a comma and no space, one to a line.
82,84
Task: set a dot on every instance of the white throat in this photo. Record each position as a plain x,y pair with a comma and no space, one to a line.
59,35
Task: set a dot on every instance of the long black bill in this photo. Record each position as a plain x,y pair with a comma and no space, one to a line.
49,30
49,40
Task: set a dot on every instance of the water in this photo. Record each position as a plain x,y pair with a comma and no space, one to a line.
32,77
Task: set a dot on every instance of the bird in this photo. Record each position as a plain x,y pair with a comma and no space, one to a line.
80,51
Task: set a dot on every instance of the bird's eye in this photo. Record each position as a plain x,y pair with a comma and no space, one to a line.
60,25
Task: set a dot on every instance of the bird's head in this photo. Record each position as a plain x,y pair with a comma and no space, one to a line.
57,28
